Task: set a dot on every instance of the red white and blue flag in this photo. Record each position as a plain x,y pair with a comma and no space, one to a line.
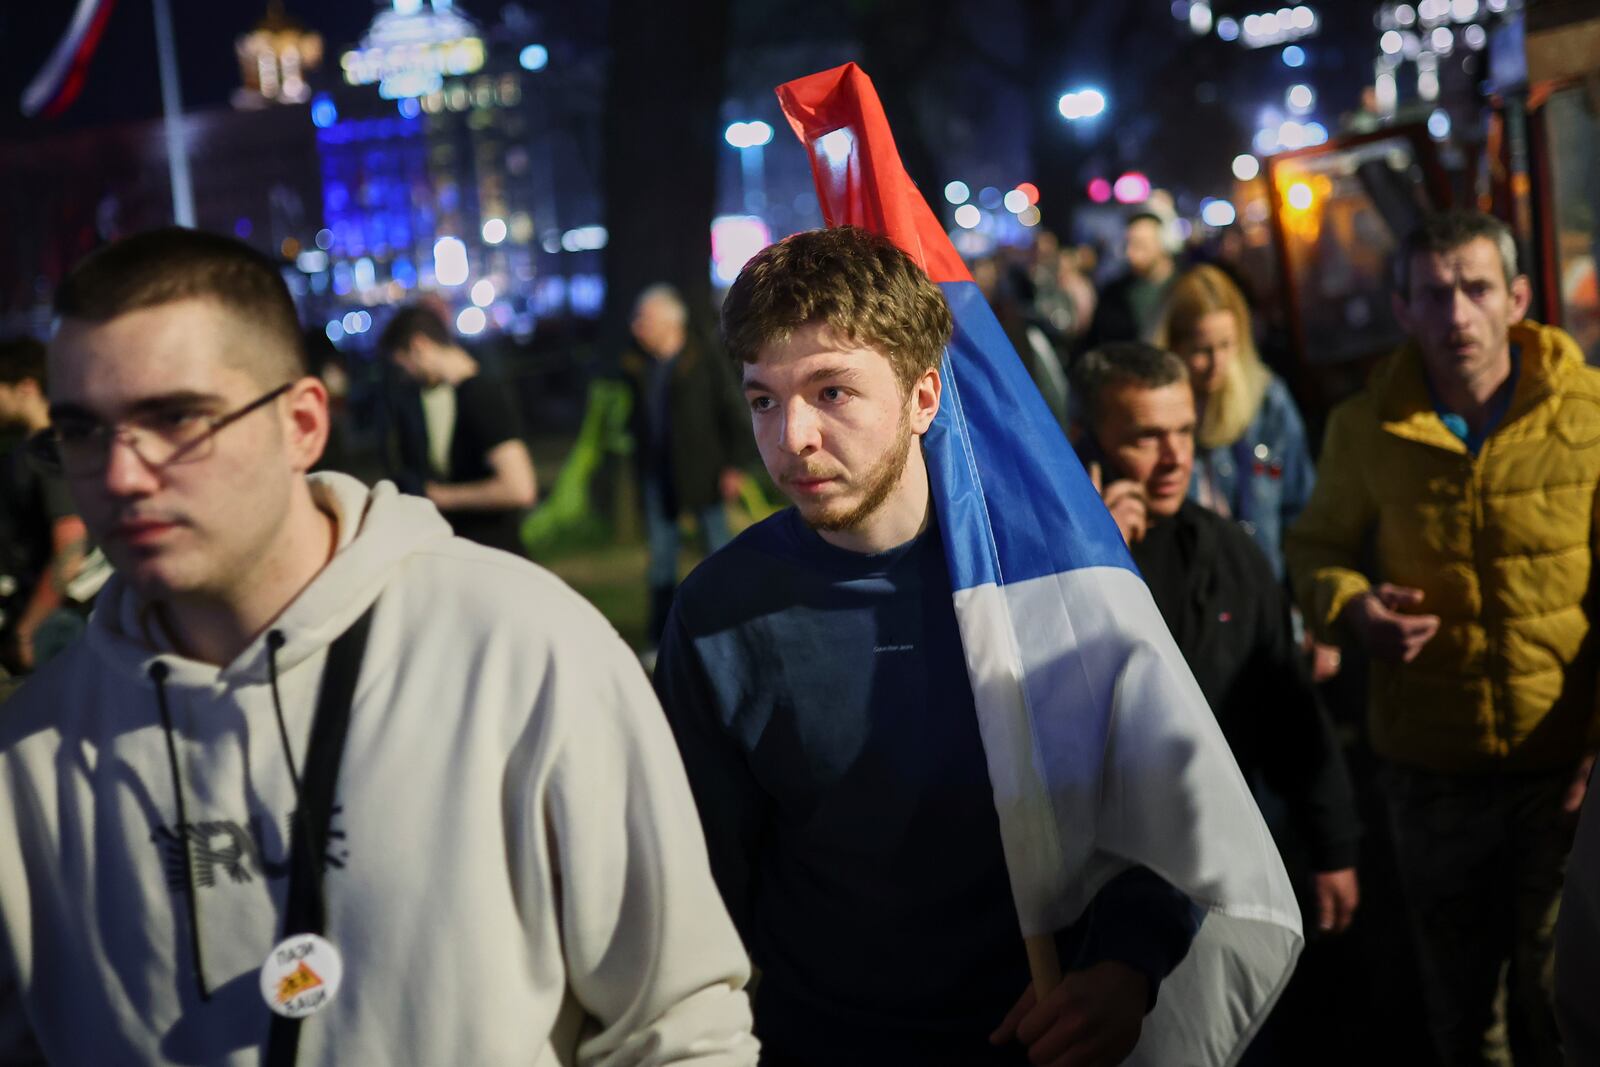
1101,748
61,79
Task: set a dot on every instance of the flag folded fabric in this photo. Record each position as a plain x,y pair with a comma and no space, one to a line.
61,78
1101,749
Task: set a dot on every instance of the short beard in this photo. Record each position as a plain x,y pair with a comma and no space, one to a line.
880,482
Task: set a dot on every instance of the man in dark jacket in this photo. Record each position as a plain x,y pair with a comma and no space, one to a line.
457,437
690,427
1130,303
1227,612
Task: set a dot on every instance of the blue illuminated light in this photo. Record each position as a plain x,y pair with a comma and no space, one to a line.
534,57
550,295
353,130
323,112
1294,56
586,294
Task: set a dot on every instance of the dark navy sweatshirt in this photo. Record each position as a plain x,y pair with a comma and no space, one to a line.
822,706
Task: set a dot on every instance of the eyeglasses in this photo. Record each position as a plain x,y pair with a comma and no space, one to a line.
80,447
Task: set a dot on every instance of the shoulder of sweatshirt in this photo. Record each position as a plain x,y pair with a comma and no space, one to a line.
514,635
474,587
456,599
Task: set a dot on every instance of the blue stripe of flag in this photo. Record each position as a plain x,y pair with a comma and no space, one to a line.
1013,500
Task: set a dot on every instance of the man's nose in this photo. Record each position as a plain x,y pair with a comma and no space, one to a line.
126,473
799,433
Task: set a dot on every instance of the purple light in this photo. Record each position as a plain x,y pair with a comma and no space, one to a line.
1131,188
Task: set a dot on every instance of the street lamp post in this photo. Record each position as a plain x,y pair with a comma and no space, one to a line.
172,109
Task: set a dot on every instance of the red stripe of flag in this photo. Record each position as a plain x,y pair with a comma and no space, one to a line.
860,179
73,84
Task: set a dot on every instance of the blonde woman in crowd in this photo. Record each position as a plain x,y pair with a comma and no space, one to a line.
1251,459
1251,462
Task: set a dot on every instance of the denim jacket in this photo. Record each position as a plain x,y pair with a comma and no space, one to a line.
1266,476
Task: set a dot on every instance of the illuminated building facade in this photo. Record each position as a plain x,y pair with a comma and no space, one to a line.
275,61
484,187
440,157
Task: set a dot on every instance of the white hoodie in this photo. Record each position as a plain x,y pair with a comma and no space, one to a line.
516,876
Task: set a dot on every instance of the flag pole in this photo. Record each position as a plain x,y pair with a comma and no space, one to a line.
172,109
1044,965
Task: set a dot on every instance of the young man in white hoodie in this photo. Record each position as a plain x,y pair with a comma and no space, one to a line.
498,863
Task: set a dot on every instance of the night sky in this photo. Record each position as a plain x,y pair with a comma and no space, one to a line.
123,82
1182,107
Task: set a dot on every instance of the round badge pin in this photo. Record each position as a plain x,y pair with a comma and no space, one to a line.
301,976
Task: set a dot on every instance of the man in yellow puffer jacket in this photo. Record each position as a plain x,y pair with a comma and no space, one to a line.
1472,457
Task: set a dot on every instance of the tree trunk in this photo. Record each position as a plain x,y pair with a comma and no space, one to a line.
662,138
899,39
1058,157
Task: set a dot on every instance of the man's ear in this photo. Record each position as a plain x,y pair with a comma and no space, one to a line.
924,400
306,429
1521,297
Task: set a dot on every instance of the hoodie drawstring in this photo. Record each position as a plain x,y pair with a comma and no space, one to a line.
275,641
158,675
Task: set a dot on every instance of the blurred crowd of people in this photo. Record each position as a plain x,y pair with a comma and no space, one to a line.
1445,535
1430,540
1440,543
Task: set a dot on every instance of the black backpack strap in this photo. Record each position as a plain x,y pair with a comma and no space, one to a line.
308,834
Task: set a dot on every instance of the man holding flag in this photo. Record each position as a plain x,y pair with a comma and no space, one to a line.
813,674
815,679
